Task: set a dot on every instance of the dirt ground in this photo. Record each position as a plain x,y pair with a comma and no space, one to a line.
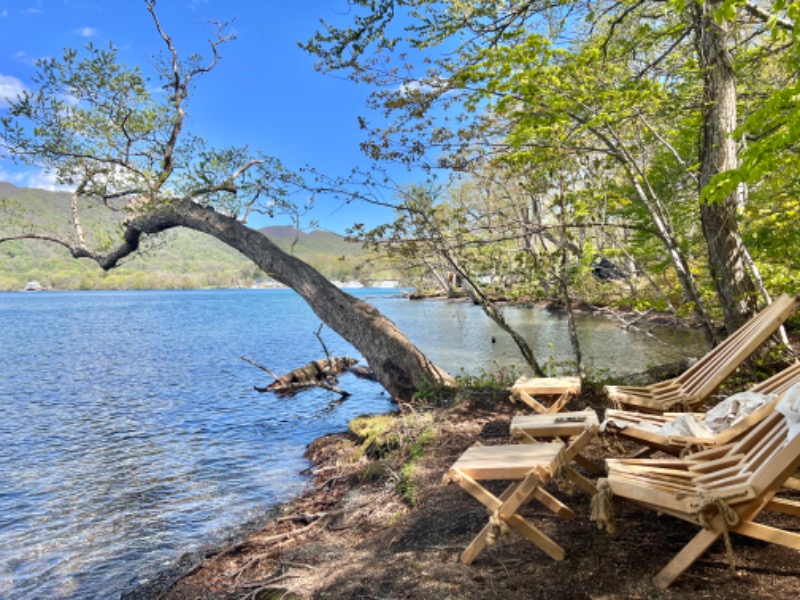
354,536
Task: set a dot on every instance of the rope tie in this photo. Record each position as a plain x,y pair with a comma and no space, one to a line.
602,507
559,472
497,528
729,518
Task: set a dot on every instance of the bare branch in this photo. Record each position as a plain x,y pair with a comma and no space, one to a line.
179,93
767,17
618,21
239,172
667,145
74,250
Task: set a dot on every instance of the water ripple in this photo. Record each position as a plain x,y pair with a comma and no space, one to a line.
130,433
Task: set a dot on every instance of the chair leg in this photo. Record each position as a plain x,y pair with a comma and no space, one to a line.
554,504
476,546
587,464
582,482
530,401
525,529
686,557
533,534
559,403
505,508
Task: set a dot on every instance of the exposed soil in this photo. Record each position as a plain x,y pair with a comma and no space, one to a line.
355,536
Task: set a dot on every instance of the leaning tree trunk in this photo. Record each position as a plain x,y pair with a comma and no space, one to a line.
718,154
398,365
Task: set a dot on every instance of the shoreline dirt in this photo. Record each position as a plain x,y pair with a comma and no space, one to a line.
355,535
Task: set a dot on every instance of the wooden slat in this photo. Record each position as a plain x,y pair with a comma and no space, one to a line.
784,506
509,461
554,425
769,534
666,463
710,466
554,504
547,385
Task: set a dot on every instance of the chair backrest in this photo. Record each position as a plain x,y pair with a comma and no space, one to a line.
706,375
780,382
760,461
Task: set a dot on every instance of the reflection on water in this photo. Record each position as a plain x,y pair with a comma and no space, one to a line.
130,432
458,336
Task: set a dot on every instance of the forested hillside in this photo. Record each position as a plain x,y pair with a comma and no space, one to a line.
180,259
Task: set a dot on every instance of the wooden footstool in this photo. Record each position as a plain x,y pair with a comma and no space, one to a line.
559,389
564,426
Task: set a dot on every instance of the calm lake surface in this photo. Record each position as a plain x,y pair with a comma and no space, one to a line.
130,432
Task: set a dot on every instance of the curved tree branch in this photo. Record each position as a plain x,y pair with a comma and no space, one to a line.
766,17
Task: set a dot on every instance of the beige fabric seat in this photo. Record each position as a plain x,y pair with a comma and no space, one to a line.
638,426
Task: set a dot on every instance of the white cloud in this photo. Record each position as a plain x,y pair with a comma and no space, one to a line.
10,88
31,11
44,180
86,31
15,178
33,179
4,14
424,86
25,58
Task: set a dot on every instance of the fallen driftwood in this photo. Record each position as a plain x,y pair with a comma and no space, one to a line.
319,373
363,373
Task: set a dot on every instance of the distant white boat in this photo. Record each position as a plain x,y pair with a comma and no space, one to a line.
386,283
33,286
352,284
347,284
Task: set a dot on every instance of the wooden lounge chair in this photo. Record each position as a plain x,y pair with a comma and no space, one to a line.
529,467
560,389
627,424
698,382
722,489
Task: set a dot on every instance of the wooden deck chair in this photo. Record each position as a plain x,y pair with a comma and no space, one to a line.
722,489
701,380
529,467
559,389
627,424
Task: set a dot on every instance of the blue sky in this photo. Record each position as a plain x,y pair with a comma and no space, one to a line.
264,92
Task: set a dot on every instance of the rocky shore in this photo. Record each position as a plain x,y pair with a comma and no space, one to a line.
378,522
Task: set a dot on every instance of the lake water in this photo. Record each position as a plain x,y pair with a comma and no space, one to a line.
130,432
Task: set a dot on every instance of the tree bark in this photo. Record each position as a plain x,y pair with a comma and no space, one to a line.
398,365
718,154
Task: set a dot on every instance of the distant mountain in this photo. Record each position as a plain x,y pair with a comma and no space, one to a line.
312,242
177,259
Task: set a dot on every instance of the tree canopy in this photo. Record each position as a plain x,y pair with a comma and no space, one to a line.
634,112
